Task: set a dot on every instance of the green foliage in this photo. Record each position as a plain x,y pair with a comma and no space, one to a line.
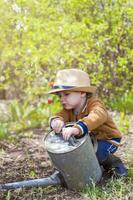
130,172
32,174
56,105
124,123
118,189
3,130
40,37
94,192
8,197
122,103
26,115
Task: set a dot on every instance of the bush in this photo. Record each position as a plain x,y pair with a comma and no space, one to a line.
38,39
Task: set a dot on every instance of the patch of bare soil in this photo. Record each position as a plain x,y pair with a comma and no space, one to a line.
27,159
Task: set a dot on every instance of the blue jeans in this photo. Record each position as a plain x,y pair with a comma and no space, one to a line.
105,149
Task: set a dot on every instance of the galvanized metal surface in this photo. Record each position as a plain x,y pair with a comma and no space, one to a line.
77,163
51,180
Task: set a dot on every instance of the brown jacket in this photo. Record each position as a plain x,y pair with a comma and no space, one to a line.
96,117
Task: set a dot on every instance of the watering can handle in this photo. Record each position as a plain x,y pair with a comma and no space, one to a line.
72,140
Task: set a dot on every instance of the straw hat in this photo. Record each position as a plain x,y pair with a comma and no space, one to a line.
72,80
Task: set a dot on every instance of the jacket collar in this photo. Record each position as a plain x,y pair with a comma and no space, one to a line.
85,106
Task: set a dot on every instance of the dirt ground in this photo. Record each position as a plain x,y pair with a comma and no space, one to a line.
26,158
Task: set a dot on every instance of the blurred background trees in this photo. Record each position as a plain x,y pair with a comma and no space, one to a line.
39,37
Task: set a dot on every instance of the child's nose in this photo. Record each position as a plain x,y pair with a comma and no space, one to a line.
62,98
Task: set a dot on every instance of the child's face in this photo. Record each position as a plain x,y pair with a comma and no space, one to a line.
70,100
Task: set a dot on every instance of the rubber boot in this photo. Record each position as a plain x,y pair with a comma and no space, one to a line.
113,163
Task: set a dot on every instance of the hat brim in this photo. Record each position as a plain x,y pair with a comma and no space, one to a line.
90,89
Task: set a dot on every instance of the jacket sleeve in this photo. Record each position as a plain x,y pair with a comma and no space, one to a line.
97,114
63,115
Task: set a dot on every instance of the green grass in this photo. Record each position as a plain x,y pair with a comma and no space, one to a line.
115,189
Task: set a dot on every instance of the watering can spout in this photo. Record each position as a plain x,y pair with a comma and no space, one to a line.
54,179
75,161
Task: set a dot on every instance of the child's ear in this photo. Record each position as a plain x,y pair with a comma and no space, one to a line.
83,94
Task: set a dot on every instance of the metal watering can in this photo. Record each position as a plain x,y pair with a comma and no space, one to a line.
75,162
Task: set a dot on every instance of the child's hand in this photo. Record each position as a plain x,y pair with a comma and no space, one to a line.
67,132
57,125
